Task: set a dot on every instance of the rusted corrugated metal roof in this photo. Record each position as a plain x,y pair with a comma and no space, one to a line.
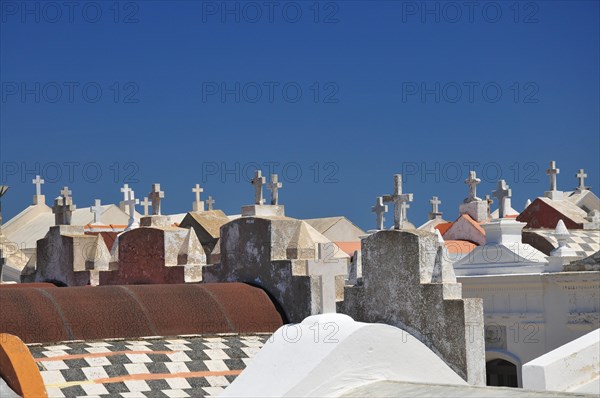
82,313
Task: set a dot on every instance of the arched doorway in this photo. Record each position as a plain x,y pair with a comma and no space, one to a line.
502,373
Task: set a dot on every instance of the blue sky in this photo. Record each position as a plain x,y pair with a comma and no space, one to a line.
335,97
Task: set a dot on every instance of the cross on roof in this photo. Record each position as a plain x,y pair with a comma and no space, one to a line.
326,267
581,176
131,201
210,202
398,198
96,209
198,204
258,181
552,172
145,204
125,191
66,193
63,210
435,209
472,181
38,185
379,209
502,193
274,186
155,196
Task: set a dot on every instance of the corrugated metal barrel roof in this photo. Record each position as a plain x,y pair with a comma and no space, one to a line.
101,312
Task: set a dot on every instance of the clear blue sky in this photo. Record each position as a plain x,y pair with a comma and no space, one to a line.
189,89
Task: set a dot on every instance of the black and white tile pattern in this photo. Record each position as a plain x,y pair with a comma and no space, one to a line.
185,366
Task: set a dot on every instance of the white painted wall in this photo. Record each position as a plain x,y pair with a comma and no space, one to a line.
573,367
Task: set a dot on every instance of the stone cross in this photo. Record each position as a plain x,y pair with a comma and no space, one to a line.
435,209
258,181
155,196
503,194
198,204
379,209
472,182
130,202
58,210
38,185
210,202
145,204
274,186
66,194
327,268
125,191
96,209
63,209
552,172
581,176
398,198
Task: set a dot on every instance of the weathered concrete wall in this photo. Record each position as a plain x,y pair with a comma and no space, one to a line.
248,255
67,256
408,283
273,253
152,255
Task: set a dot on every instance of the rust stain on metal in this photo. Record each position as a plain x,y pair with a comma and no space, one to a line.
85,313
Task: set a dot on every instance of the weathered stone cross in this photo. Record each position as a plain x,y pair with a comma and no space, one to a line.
210,202
503,194
198,204
66,194
379,209
327,268
59,211
552,172
472,182
258,181
38,185
398,198
435,210
145,204
63,208
155,196
274,186
96,209
581,176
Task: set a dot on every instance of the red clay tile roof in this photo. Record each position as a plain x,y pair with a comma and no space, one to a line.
348,247
473,222
443,227
57,314
459,246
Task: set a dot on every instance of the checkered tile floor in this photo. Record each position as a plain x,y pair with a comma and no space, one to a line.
185,366
584,242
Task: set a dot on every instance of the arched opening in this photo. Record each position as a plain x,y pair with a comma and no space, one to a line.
501,373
